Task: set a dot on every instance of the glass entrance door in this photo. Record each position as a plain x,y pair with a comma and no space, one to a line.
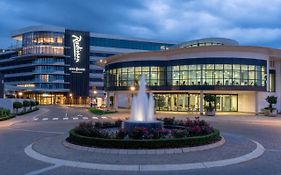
46,100
226,103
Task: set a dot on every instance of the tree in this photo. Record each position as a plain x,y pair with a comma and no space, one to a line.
32,103
160,102
25,104
271,100
210,98
17,105
36,103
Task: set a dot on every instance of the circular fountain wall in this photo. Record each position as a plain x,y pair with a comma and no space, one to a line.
131,125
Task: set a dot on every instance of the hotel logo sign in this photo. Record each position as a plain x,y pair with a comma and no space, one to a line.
77,51
76,47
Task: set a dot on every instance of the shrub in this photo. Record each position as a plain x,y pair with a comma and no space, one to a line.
169,121
17,105
271,100
87,129
209,98
32,103
121,134
25,104
100,112
36,103
180,133
118,123
138,133
4,113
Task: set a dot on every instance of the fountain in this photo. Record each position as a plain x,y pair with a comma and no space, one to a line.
142,111
143,131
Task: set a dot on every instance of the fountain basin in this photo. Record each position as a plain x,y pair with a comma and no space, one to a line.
131,125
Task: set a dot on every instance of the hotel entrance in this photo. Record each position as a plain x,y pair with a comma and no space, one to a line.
48,99
191,102
177,102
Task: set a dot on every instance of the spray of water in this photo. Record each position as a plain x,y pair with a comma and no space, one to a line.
142,108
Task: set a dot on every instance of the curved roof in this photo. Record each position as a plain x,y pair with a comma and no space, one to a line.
207,42
38,28
168,54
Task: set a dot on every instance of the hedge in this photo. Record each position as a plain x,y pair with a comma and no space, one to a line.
6,118
143,144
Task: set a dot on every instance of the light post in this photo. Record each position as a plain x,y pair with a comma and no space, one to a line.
95,98
70,95
132,89
20,94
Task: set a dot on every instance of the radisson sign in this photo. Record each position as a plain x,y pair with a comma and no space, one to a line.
76,47
77,51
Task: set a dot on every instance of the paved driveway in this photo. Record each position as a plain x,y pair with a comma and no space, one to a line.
27,129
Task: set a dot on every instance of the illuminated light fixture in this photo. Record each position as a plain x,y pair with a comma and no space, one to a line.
95,92
20,93
45,95
132,88
70,95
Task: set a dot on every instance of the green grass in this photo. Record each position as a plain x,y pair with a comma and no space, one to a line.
100,112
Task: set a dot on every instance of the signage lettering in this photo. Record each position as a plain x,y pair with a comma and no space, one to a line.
76,47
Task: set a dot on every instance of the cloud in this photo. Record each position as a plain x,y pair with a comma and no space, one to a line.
254,22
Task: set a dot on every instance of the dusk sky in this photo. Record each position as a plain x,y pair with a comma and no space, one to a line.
250,22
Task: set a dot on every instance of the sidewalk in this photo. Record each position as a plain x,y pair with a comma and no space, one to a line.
23,118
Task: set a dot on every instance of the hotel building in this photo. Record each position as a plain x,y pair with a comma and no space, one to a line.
55,65
240,77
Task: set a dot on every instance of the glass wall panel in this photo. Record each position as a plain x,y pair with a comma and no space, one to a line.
190,75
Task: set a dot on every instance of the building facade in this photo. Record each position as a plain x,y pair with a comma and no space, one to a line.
55,65
240,77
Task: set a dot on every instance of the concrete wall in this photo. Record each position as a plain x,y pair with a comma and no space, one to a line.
7,103
261,96
246,102
124,100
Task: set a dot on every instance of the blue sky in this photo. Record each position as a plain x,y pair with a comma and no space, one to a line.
251,22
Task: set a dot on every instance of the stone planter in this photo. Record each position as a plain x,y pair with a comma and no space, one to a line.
270,114
210,113
273,113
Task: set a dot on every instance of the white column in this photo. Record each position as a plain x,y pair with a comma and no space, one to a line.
267,75
116,101
172,103
201,102
256,103
278,84
107,100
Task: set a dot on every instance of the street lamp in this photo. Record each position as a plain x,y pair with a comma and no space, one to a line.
132,88
70,95
95,98
20,94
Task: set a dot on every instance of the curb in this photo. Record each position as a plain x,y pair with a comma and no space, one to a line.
139,167
145,151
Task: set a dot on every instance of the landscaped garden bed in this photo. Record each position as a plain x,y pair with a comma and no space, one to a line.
178,133
100,112
28,107
5,114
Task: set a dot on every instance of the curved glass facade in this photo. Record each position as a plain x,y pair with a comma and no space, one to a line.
188,75
43,43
